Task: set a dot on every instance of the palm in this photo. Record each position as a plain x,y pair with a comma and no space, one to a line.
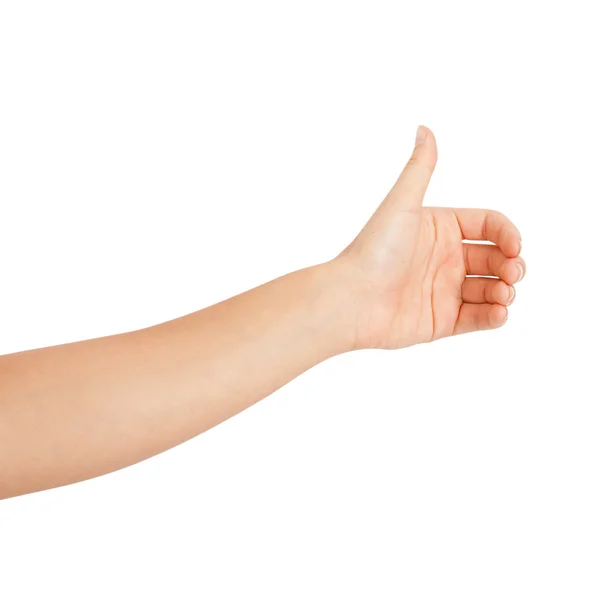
437,272
421,301
414,263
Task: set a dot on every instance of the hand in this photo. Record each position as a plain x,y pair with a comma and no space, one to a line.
412,265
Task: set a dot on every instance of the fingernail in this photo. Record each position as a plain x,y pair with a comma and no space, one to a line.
521,271
421,135
511,296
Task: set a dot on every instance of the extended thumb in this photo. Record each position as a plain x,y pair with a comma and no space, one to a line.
409,190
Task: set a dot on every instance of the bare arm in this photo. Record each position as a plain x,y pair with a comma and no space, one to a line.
78,410
75,411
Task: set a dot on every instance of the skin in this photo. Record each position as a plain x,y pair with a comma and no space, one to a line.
80,410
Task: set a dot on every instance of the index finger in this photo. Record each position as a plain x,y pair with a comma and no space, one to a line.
490,225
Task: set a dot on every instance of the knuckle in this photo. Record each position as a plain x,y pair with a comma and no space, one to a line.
413,160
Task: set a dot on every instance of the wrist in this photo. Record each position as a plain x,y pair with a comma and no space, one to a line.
342,299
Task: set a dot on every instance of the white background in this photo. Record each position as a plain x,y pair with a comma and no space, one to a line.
156,157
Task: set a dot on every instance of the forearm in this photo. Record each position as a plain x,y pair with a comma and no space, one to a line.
79,410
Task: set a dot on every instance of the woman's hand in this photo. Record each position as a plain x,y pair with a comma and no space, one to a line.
411,264
79,410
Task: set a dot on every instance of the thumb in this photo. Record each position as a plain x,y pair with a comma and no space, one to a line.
409,190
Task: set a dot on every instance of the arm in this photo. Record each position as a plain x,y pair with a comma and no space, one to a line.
75,411
78,410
